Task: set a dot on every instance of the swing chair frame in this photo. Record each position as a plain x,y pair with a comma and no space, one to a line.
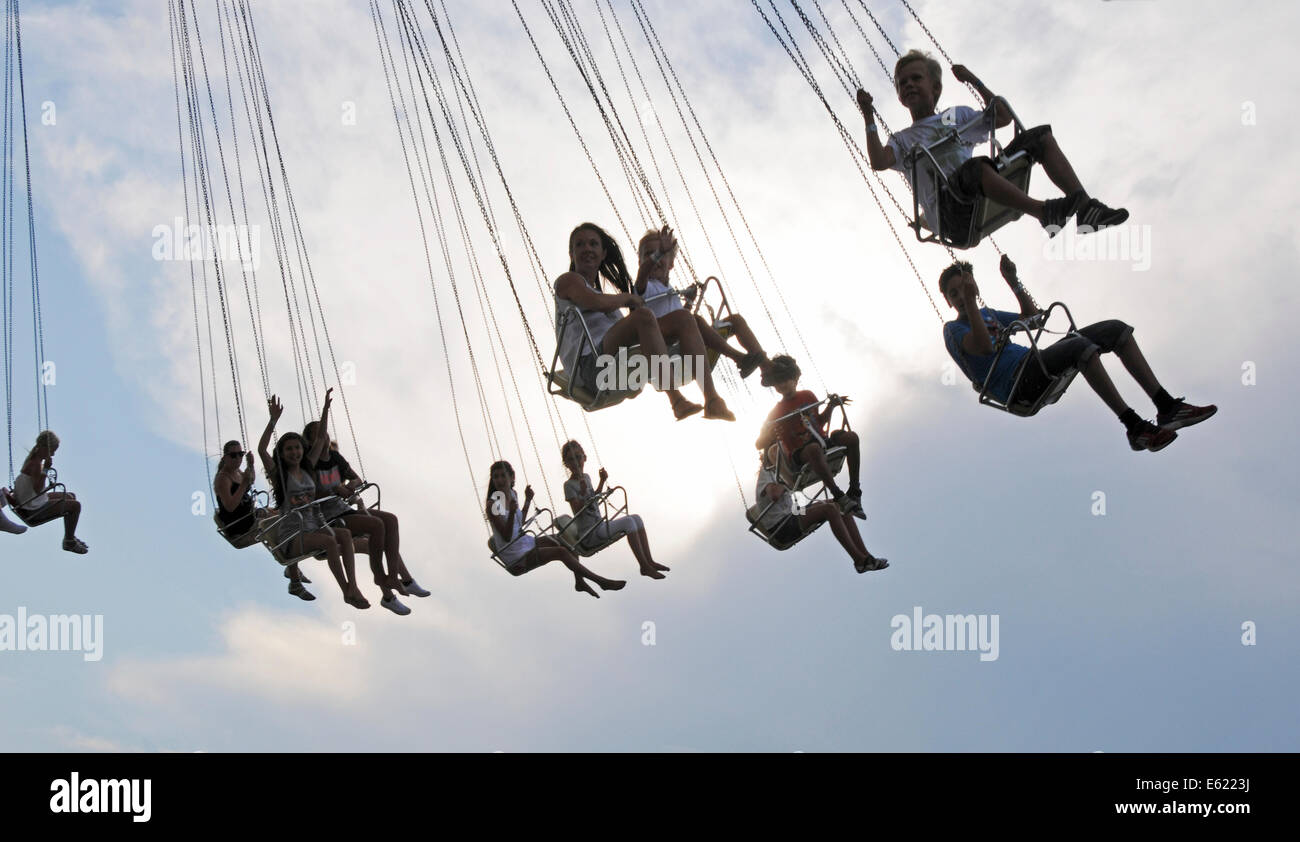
1034,327
564,524
986,215
768,535
529,528
776,458
52,484
693,297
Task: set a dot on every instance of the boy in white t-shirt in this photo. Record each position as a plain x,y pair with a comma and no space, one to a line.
918,80
775,514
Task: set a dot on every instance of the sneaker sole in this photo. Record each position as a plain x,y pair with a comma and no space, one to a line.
1189,422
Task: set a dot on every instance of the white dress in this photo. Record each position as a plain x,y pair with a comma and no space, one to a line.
25,494
512,554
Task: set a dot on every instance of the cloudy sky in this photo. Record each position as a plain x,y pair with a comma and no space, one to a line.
1120,631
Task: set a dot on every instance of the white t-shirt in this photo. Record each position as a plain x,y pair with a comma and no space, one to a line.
779,510
661,306
927,131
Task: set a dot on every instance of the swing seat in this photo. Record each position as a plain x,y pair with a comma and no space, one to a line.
1025,406
805,477
528,529
239,542
28,519
755,512
985,216
567,532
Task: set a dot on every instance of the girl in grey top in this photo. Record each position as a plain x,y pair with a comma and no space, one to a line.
594,529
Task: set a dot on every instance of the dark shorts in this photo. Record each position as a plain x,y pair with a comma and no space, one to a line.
531,560
956,207
796,455
584,375
789,530
1070,352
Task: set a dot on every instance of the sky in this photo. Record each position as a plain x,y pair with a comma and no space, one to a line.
1120,631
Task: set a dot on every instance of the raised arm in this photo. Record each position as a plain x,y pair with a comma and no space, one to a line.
573,287
964,75
881,156
660,262
1027,306
322,440
275,409
978,340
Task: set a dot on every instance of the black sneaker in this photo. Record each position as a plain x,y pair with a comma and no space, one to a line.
1057,212
1094,216
1147,436
299,591
749,363
1184,415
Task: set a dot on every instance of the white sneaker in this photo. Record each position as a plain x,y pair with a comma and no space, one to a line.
413,588
394,604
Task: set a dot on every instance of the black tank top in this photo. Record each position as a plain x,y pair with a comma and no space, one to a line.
241,519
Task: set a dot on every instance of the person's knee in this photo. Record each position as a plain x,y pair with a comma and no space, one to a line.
638,524
737,321
812,451
642,319
847,438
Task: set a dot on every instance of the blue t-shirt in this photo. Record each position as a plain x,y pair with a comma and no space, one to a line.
976,366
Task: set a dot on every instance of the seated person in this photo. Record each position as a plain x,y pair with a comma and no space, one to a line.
658,251
38,506
587,518
7,525
971,339
520,552
774,514
800,445
302,527
918,79
236,507
594,255
332,491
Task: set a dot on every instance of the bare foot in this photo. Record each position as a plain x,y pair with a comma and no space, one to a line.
581,586
718,410
611,584
652,573
657,566
685,409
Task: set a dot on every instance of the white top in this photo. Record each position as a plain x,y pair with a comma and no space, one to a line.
661,306
778,511
25,494
519,548
927,131
572,342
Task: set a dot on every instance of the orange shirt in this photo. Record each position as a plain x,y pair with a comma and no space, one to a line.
791,432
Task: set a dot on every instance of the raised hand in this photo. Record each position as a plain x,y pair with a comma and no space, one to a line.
603,474
275,408
528,493
865,102
1008,269
963,74
329,397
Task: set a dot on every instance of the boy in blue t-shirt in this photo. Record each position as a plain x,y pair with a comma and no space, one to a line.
972,338
918,80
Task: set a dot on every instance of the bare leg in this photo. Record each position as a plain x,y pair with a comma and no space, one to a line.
814,456
1137,365
849,440
1058,168
1095,373
640,327
714,341
548,551
324,542
373,528
1004,192
680,325
828,512
392,545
